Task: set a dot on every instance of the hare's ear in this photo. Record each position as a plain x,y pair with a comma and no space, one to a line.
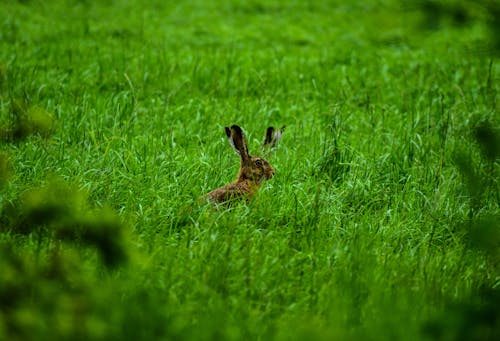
237,140
272,137
277,135
268,137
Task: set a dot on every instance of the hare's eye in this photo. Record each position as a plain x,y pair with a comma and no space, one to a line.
258,163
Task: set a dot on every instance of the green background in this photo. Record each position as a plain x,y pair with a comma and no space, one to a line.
381,222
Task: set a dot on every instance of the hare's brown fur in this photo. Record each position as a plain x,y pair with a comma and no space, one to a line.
253,171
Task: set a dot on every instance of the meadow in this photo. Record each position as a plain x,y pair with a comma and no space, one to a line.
381,222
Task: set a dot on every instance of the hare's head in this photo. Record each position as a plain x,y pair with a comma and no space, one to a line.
257,169
253,168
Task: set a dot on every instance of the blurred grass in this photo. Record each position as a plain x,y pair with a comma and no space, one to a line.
381,222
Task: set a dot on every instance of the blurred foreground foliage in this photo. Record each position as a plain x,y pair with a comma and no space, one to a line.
45,298
481,182
476,317
48,295
58,211
26,120
346,249
459,13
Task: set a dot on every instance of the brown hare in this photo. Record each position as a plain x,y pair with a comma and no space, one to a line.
253,169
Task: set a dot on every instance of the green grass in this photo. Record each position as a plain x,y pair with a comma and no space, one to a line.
381,222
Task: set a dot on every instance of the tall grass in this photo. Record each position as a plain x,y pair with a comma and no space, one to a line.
381,221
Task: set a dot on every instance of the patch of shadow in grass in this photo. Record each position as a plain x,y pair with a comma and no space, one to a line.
335,160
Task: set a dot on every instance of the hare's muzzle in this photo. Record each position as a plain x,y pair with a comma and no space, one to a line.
271,172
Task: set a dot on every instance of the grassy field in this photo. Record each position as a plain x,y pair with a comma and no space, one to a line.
380,224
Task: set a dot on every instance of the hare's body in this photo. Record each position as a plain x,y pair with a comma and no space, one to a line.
253,171
232,191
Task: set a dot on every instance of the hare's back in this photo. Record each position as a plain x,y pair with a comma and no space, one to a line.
228,192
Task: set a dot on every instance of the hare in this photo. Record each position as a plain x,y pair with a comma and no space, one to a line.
253,171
